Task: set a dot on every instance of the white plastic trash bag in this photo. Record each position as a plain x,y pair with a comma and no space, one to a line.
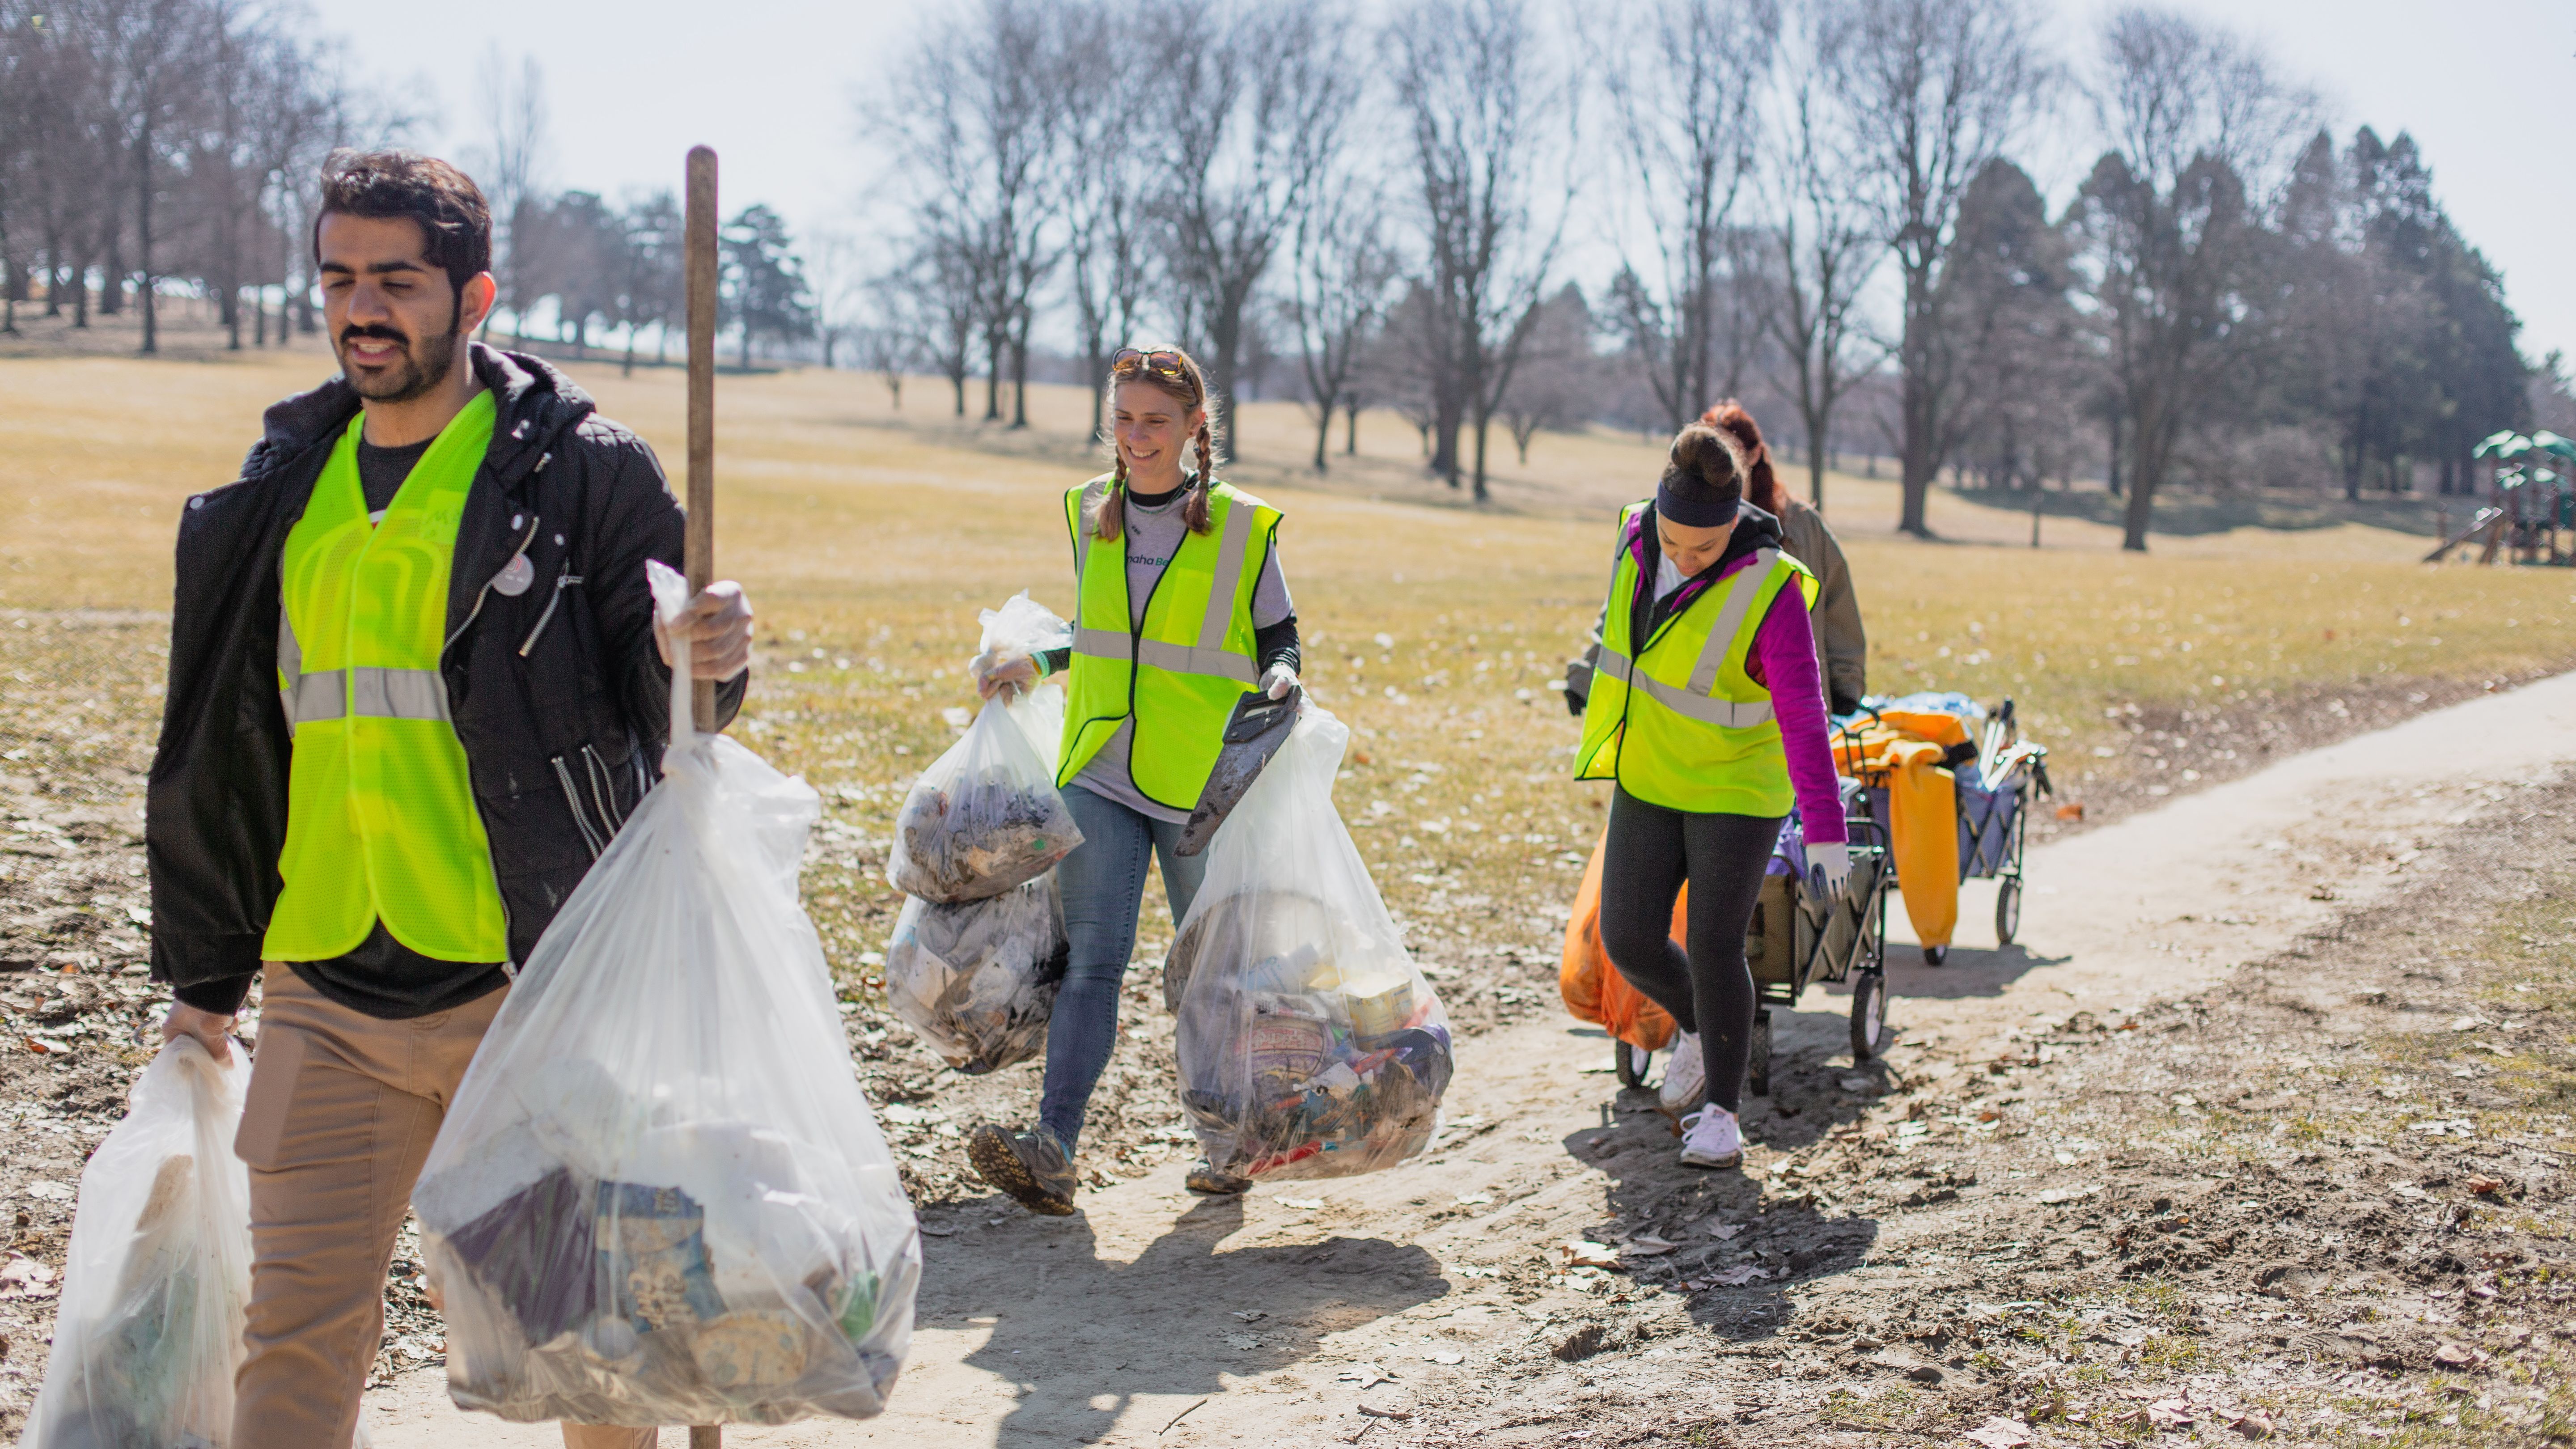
978,979
150,1327
1310,1046
660,1197
985,817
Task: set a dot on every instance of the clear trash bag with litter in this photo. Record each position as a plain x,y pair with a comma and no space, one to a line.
985,817
978,980
149,1330
1309,1043
660,1197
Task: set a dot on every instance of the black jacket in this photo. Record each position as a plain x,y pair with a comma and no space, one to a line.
558,694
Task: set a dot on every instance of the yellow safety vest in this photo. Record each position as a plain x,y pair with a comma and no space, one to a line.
1182,671
1680,724
381,822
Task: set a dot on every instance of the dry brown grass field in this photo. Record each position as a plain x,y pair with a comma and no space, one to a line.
869,538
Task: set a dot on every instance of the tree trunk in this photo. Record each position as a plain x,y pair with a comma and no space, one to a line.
228,311
1914,472
957,382
746,345
629,369
1020,378
143,242
1323,435
1484,425
2152,452
993,377
1351,428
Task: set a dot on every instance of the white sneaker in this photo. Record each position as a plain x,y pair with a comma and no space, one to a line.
1685,1076
1711,1138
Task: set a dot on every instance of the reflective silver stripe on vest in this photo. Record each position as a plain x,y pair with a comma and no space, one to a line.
1739,601
1111,645
378,694
1228,583
1727,713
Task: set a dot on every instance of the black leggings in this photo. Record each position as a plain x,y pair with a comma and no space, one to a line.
1651,851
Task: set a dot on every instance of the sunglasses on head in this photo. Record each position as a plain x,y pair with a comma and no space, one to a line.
1163,362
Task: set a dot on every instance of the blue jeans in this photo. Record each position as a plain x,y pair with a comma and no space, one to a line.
1102,885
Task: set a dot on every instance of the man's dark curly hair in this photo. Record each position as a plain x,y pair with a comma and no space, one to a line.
455,220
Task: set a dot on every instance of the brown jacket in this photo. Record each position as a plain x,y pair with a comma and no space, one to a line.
1840,642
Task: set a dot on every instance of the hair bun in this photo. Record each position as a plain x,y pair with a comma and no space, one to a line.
1706,455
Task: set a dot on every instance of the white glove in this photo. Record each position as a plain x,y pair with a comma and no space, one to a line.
1828,870
1278,681
1005,674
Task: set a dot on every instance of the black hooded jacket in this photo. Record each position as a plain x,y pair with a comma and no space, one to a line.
558,694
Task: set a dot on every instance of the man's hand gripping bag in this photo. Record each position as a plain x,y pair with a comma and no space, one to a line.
1309,1044
150,1327
660,1197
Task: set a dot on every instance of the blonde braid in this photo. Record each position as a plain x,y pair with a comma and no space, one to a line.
1107,515
1194,509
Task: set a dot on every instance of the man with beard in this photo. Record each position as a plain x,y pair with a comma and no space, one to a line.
416,684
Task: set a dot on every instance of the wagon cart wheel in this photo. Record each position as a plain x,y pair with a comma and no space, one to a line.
1868,1014
2007,909
1757,1064
1631,1062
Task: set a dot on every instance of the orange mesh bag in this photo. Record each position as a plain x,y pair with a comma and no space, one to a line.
1594,990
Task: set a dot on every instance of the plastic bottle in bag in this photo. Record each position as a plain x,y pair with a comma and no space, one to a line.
1309,1044
985,817
978,980
149,1331
660,1197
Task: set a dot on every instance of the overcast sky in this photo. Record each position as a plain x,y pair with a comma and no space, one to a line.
2483,85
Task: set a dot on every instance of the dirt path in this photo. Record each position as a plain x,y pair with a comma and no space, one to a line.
1386,1306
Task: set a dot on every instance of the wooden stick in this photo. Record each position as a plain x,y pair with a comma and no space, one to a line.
699,254
700,261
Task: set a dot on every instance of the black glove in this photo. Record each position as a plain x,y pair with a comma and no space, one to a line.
1574,702
1841,704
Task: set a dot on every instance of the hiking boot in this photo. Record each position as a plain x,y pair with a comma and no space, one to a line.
1711,1138
1685,1077
1032,1167
1206,1181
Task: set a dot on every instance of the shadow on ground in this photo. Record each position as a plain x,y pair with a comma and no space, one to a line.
1073,1387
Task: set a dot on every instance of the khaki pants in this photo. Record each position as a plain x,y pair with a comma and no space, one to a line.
338,1119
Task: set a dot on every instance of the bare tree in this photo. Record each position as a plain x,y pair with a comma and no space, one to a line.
1683,81
651,287
1473,89
1105,96
2170,220
1260,91
1341,275
970,115
1556,379
1934,89
1825,249
512,161
159,76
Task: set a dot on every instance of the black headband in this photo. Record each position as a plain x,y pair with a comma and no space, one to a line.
1702,512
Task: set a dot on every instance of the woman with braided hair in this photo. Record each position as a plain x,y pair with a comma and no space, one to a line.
1182,611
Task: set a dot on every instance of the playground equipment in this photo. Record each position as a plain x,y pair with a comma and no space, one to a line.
2534,502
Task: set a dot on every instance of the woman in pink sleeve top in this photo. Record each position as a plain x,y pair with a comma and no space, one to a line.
1703,704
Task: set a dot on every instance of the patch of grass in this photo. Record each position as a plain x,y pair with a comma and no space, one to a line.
1886,1409
868,542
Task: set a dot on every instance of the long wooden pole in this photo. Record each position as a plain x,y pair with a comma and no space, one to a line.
700,257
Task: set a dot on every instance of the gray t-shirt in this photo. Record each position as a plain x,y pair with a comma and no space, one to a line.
1152,534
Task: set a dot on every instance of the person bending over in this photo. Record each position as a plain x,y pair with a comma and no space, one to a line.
1183,610
1706,711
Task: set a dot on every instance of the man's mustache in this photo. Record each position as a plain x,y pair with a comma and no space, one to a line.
388,334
